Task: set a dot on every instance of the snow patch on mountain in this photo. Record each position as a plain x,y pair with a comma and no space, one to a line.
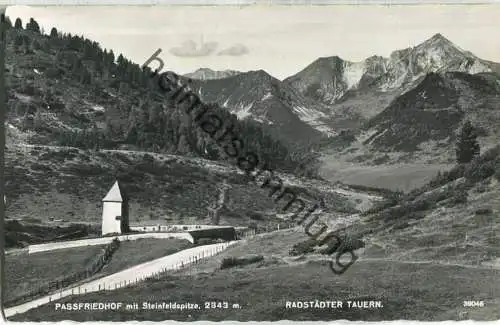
325,129
353,72
478,67
377,136
209,74
242,111
306,114
267,96
366,135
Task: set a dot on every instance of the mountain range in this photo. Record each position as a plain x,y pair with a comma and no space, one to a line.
433,80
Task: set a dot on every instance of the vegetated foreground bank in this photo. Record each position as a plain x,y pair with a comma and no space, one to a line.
454,218
139,251
409,291
27,272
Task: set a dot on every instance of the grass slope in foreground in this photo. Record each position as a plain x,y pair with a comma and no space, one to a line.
407,291
26,272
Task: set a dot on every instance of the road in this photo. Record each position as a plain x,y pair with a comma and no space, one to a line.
126,277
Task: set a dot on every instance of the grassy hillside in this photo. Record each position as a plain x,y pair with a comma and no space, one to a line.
68,184
27,272
139,251
26,231
454,218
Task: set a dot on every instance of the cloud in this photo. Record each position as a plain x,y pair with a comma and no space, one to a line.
190,48
235,50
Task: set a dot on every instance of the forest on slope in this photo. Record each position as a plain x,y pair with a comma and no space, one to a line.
67,90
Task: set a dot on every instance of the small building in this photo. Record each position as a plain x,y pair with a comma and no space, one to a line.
115,218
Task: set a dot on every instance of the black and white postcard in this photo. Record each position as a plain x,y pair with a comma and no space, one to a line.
251,163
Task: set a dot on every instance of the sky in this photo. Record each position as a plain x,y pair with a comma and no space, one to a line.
279,39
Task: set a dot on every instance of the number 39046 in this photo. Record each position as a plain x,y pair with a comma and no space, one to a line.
473,303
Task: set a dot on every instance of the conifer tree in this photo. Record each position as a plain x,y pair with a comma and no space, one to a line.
8,22
467,146
18,24
53,32
33,26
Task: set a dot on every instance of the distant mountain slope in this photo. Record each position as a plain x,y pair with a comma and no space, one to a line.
208,74
263,98
435,109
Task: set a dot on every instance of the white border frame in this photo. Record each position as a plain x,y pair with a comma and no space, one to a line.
4,3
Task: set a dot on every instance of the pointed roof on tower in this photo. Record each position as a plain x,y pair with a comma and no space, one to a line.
115,194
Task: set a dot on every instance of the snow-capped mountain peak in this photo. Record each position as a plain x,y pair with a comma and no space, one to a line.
209,74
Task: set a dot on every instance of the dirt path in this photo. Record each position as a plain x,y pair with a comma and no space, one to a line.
480,267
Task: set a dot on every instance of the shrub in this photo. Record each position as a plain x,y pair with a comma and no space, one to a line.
229,262
32,220
255,216
304,247
206,241
479,170
467,147
483,211
497,173
460,197
400,225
